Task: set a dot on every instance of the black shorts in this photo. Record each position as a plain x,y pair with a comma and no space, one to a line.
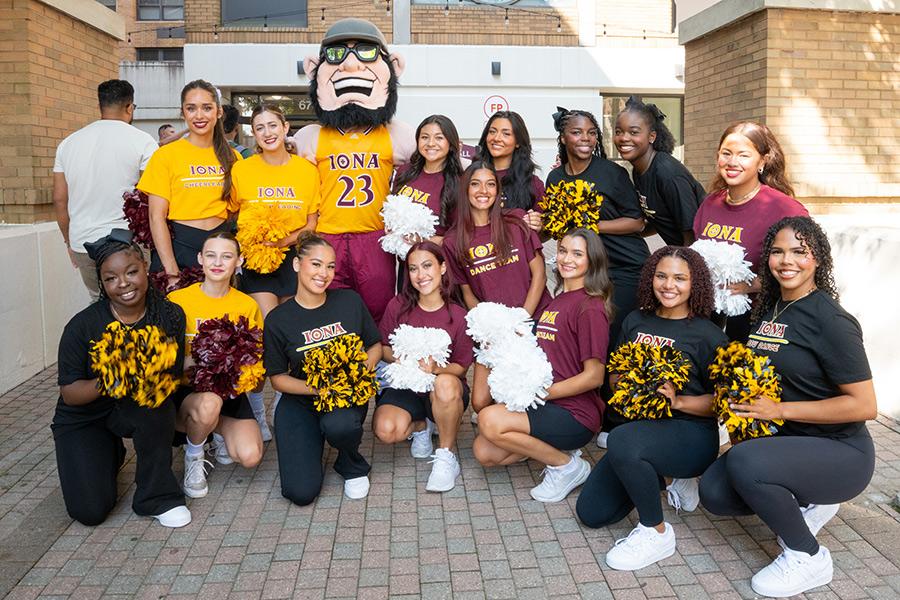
556,426
282,281
417,405
236,408
187,242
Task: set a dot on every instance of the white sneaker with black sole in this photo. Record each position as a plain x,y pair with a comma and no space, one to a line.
602,438
794,572
643,547
195,485
422,446
559,481
684,494
444,471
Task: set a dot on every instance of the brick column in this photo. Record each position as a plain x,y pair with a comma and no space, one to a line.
52,57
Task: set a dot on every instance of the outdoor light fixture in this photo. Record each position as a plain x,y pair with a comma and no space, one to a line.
300,70
495,67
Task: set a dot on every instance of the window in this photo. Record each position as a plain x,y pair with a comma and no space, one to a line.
501,3
274,13
160,10
110,4
672,106
297,108
160,54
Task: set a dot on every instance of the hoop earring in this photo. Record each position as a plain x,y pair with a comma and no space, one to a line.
760,170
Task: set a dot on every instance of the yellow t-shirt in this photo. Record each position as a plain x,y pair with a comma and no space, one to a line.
199,307
293,188
190,178
355,169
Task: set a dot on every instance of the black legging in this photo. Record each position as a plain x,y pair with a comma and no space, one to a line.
301,433
630,474
774,477
89,454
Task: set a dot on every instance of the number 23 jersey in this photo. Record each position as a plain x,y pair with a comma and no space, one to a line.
355,168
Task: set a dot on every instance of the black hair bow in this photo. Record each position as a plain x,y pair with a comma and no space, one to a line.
122,236
558,117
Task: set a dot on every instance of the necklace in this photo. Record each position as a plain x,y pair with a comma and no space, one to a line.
777,313
744,198
121,320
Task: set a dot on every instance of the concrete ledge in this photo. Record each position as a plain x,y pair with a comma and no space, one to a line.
91,12
725,12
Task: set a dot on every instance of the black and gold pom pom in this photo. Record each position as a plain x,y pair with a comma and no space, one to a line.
644,368
569,205
338,371
740,376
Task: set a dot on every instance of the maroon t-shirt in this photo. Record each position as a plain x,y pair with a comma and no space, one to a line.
572,329
747,223
426,189
491,280
537,188
453,321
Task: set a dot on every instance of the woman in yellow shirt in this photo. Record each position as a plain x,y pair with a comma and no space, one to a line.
188,182
237,437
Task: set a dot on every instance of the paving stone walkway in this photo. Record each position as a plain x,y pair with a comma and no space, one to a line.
485,539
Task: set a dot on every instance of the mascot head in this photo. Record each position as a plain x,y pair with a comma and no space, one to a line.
353,80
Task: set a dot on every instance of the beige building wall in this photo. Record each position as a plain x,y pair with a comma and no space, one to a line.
50,65
826,82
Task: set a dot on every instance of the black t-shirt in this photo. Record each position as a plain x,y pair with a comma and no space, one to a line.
815,345
669,197
628,252
696,339
74,361
291,330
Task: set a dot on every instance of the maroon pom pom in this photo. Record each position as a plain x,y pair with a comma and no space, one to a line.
186,277
220,348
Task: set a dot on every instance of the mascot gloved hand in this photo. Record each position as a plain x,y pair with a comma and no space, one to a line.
356,146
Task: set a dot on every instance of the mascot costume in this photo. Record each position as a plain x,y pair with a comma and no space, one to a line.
356,146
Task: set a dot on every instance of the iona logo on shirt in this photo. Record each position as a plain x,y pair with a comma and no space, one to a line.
321,335
200,170
728,233
281,193
653,340
353,160
769,337
414,194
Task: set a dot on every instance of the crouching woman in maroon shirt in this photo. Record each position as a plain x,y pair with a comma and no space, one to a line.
573,331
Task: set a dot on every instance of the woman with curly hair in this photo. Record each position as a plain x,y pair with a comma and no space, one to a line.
675,298
823,454
749,193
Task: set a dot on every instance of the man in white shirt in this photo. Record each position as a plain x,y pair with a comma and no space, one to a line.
94,167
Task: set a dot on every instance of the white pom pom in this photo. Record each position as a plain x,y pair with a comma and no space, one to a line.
410,345
489,322
520,377
403,217
726,266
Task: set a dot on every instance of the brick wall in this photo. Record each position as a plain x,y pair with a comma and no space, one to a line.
50,66
143,33
825,82
487,26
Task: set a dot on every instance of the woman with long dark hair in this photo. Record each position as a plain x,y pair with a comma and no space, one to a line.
823,454
573,331
426,301
432,175
189,182
88,427
675,299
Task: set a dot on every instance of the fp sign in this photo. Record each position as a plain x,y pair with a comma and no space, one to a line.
493,104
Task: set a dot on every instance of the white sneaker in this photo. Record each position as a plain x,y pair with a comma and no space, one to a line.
474,418
195,476
793,573
422,446
724,438
220,450
444,472
684,494
174,517
602,439
356,488
815,516
559,481
643,547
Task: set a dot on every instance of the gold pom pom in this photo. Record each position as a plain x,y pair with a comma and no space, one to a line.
134,363
259,225
250,377
644,369
338,371
739,376
568,205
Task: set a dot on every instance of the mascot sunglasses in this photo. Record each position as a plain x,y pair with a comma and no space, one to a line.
337,53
